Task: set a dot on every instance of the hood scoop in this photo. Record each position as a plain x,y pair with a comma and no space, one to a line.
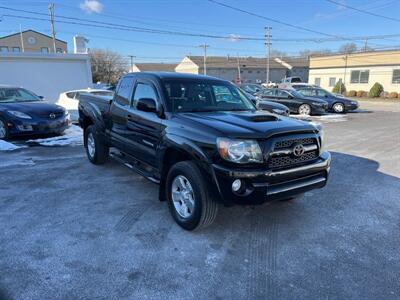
260,118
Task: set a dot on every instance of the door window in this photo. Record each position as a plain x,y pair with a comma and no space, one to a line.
124,91
282,94
144,90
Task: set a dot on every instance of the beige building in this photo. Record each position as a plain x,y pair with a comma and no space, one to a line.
252,69
31,41
153,67
358,71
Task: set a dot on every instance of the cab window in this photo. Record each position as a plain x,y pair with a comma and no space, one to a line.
124,91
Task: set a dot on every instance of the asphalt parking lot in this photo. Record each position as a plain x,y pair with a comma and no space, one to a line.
72,230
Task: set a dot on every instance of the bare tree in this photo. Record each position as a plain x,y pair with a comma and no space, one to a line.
107,66
307,52
348,48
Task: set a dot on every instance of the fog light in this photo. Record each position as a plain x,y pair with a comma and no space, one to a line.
236,185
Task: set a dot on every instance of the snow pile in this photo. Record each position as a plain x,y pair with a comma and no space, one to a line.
71,137
332,118
6,146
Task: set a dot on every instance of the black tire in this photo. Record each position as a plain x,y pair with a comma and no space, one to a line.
101,152
338,108
205,208
5,134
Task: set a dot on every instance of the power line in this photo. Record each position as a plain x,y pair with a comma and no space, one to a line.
274,20
363,11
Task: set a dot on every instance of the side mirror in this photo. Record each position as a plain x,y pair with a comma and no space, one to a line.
147,104
290,97
41,97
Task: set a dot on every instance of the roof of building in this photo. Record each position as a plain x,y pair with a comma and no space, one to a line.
359,59
247,62
30,30
156,67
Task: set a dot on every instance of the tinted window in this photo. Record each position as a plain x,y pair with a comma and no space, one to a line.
186,96
71,95
307,92
321,93
296,79
144,90
17,95
124,91
269,92
282,94
103,93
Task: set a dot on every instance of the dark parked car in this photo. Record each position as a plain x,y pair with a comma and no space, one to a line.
24,113
269,106
296,102
337,104
251,88
203,142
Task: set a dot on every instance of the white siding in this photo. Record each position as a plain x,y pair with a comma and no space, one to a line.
47,75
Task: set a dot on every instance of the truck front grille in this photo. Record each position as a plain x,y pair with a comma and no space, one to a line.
282,155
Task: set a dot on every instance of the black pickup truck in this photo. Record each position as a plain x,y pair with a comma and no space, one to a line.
203,142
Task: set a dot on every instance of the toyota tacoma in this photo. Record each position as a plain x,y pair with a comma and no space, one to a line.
203,142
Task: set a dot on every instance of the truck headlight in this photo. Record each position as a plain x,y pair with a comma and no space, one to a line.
239,151
322,137
19,114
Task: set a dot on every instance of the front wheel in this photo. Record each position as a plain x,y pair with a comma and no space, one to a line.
338,108
305,109
96,151
189,201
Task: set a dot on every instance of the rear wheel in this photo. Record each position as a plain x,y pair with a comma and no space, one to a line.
96,151
3,130
338,108
189,201
305,109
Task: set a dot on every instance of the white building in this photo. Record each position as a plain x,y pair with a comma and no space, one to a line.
46,74
358,71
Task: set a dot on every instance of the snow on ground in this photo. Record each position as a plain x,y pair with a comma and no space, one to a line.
6,146
333,118
72,136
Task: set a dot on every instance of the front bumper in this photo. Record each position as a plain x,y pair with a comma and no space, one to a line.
32,127
349,107
262,185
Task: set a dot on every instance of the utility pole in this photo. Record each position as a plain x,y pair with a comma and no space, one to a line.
268,45
53,33
366,45
22,38
238,66
131,57
344,75
205,46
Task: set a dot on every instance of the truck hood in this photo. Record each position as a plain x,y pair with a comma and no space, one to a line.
245,124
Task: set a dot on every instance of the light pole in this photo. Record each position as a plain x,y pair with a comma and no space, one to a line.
205,46
268,45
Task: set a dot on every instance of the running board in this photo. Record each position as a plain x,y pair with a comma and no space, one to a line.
134,166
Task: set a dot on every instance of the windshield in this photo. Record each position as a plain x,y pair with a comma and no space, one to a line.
17,95
296,94
200,95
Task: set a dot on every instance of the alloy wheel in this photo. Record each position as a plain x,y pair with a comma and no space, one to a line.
91,145
304,109
182,196
338,107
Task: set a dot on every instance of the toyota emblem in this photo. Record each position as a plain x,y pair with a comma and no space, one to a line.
298,150
52,116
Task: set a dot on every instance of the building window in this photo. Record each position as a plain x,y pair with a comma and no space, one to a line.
317,81
3,49
332,81
45,49
249,71
59,50
258,72
359,76
16,49
396,76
